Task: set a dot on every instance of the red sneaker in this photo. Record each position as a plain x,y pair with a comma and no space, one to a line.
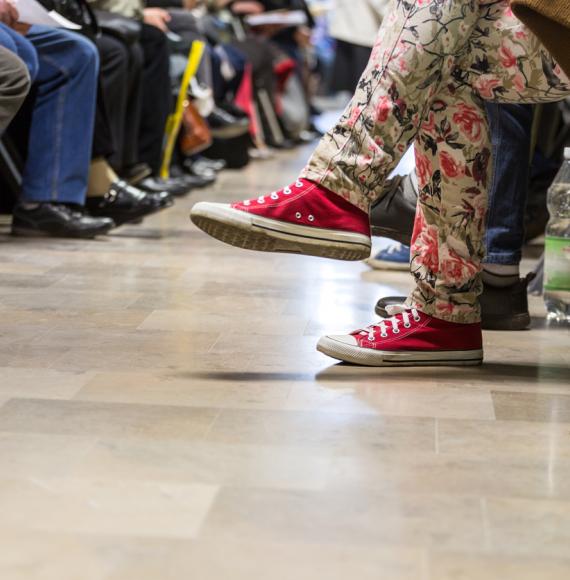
411,338
304,218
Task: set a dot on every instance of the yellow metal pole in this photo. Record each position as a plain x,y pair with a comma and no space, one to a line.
174,120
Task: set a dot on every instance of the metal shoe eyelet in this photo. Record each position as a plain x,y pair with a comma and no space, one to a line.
384,335
298,216
287,191
274,196
311,218
407,325
260,200
396,331
299,183
417,319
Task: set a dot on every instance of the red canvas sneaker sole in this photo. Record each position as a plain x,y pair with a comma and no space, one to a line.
337,347
254,232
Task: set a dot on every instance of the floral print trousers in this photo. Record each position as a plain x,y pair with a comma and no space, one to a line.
434,63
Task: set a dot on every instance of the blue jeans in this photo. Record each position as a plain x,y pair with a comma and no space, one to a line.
64,68
511,127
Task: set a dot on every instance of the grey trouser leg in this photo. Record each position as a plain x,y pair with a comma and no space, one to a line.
14,86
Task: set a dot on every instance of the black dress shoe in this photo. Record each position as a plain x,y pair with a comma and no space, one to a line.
176,186
501,308
224,125
58,220
206,175
393,215
135,173
125,203
215,164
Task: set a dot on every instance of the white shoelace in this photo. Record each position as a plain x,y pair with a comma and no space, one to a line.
394,322
275,195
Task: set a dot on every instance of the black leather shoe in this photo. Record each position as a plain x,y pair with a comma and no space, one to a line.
206,175
136,173
224,125
393,216
58,220
124,203
214,164
501,308
176,186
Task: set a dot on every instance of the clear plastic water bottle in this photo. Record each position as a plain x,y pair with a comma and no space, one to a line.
557,247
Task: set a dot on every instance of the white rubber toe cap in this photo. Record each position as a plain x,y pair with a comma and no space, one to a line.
344,339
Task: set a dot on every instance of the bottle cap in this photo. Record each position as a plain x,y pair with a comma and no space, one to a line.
567,153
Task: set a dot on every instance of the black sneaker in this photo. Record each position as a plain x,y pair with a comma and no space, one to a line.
501,308
506,308
124,203
393,215
58,220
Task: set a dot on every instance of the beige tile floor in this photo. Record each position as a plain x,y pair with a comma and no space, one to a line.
165,416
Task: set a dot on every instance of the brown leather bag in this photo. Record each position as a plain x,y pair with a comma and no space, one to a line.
195,134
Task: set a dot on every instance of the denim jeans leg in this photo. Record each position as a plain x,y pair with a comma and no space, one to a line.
511,127
61,132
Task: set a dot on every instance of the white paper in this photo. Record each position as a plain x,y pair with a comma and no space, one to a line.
284,18
32,12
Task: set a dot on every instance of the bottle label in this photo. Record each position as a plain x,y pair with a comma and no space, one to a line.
557,263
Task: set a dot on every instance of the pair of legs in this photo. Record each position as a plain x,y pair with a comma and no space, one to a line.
156,95
14,86
63,67
430,73
119,113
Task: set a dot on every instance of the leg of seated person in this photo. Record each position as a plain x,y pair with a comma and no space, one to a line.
119,75
14,86
430,72
156,95
62,120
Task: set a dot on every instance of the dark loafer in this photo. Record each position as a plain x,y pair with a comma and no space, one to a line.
58,220
125,203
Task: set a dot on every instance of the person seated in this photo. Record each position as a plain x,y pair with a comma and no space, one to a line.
155,94
433,67
63,68
115,137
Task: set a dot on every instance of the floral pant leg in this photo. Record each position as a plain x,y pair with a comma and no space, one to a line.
416,46
433,63
453,164
504,63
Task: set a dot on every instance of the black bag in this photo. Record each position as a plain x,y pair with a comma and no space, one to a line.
127,30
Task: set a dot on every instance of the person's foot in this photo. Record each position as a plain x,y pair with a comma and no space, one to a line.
393,216
501,308
410,338
124,203
216,164
135,173
196,177
57,220
175,186
393,257
304,218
